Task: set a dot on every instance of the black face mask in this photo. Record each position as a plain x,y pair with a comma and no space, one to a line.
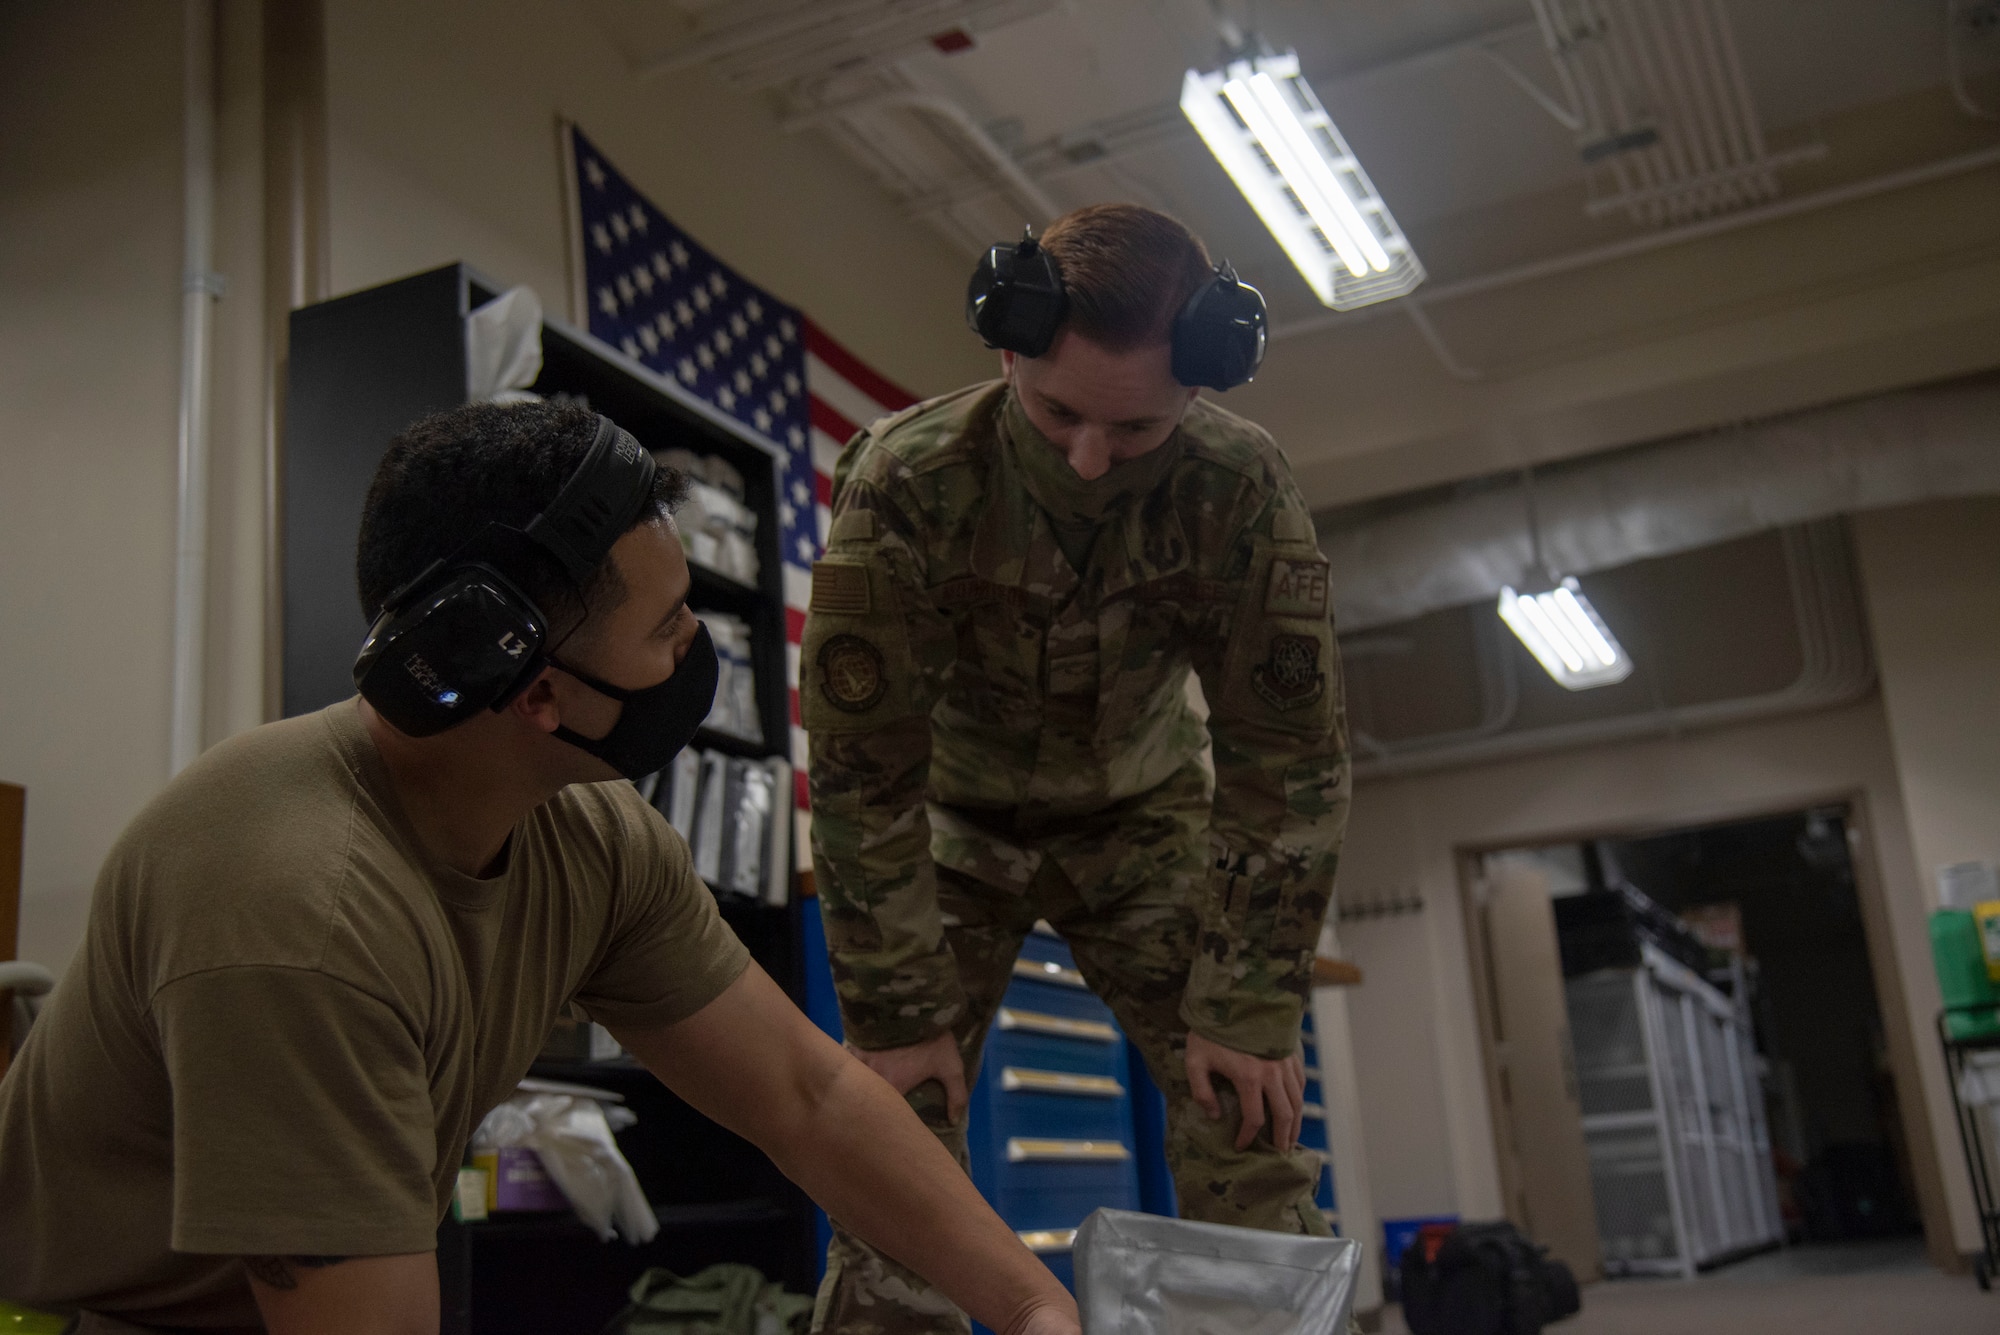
657,721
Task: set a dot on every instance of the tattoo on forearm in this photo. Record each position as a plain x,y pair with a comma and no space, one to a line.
276,1271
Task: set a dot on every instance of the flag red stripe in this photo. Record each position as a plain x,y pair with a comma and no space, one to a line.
795,625
826,419
850,368
799,779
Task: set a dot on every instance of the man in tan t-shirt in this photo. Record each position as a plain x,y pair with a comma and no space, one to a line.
329,946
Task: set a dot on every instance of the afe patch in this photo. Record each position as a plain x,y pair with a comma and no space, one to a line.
1291,677
850,674
1297,589
840,587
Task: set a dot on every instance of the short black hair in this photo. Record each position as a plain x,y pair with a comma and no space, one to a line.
448,476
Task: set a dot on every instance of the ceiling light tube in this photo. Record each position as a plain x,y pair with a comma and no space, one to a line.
1244,96
1316,169
1566,636
1263,123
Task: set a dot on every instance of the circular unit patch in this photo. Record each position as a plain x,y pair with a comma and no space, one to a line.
850,674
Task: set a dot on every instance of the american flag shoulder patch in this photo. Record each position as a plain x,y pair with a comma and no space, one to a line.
840,587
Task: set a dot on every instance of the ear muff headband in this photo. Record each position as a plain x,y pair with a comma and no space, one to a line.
1016,301
462,636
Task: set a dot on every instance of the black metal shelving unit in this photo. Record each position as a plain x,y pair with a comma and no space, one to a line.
1978,1153
362,367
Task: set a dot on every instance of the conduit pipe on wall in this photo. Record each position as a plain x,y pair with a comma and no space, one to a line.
1891,449
200,286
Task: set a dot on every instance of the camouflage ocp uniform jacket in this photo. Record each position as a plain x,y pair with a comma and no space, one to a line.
974,697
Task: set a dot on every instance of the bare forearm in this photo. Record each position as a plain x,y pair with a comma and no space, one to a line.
874,1166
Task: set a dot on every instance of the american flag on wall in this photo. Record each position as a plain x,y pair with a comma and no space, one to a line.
663,300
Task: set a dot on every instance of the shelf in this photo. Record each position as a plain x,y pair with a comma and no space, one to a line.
748,1212
711,584
731,745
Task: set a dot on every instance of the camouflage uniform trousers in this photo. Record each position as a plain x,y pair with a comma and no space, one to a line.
1135,954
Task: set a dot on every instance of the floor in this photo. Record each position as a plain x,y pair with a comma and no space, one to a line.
1863,1288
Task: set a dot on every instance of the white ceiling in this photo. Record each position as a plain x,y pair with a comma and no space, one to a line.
1438,137
1440,128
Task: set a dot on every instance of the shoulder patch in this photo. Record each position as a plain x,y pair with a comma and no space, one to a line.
1297,588
840,587
852,525
1289,525
852,677
1293,676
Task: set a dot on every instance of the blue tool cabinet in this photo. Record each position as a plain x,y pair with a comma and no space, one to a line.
1051,1129
1064,1118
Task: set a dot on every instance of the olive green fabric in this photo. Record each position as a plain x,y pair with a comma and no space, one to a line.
284,1021
1135,954
977,701
726,1299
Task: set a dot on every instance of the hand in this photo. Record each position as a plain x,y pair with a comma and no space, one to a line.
1048,1320
933,1059
1281,1084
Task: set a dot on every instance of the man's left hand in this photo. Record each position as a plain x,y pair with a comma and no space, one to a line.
1279,1085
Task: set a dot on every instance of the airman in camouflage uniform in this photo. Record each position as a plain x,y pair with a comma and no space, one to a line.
996,692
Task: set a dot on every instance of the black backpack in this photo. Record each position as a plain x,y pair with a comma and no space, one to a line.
1484,1279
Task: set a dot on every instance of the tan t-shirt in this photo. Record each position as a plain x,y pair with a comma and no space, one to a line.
285,1022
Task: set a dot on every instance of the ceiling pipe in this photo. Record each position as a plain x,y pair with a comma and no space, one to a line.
1640,245
1023,187
1392,562
200,286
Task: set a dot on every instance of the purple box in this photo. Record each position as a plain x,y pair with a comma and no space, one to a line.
520,1184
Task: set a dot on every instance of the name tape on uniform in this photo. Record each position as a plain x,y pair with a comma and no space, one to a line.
1297,588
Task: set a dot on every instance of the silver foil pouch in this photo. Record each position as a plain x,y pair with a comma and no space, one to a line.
1142,1274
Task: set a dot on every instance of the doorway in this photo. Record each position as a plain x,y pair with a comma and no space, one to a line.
1719,1025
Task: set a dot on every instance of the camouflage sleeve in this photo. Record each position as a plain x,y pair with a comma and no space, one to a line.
1272,678
871,655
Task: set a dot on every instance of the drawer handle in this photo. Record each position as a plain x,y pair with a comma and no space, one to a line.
1015,1079
1023,1150
1048,971
1043,1241
1060,1026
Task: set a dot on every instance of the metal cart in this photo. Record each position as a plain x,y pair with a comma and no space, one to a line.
1979,1149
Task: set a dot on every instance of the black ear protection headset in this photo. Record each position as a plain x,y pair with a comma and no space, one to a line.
462,636
1017,301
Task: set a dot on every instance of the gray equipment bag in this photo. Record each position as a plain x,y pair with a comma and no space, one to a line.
1141,1274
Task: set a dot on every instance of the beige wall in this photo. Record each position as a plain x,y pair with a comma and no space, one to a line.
1933,577
1424,1101
90,160
443,146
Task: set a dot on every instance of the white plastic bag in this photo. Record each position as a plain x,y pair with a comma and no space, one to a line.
503,348
1141,1274
571,1135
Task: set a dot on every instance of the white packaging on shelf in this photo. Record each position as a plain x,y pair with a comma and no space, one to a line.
708,814
683,782
735,708
747,815
778,847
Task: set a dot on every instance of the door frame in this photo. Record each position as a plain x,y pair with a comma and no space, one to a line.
1891,996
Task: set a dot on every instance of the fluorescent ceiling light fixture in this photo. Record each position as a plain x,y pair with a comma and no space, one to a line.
1566,636
1265,126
